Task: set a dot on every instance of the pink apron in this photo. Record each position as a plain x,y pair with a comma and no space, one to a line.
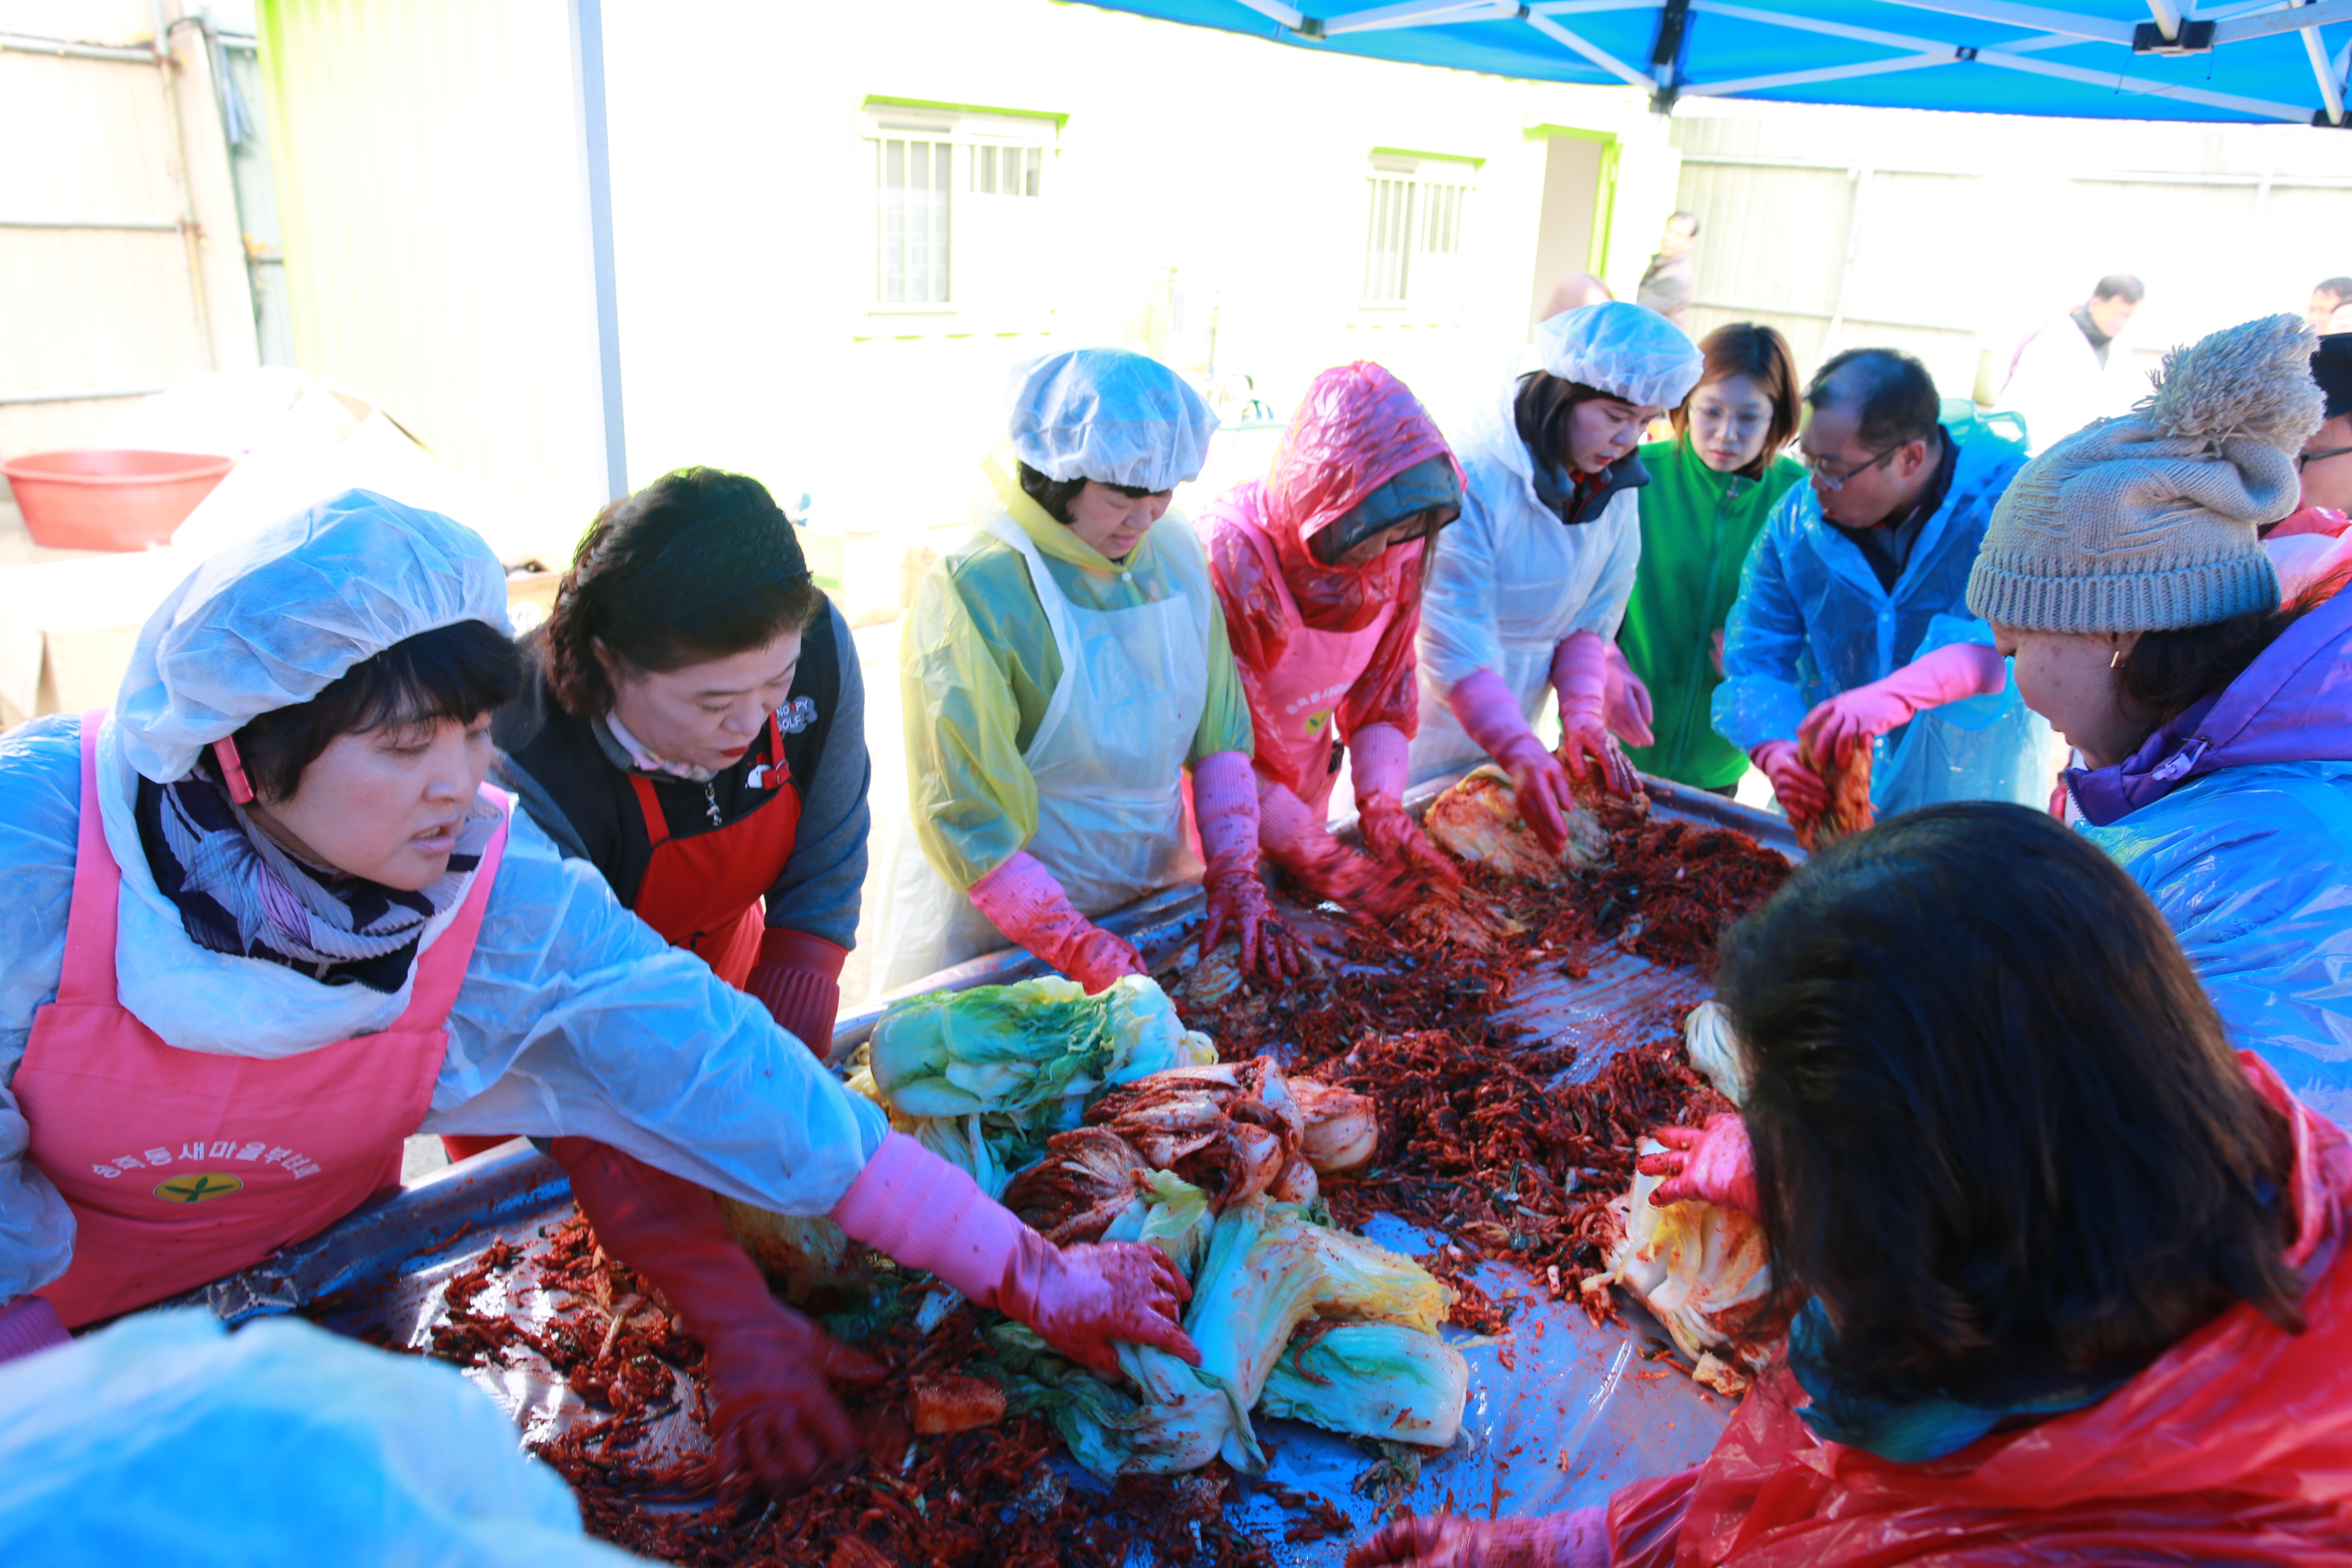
1318,669
182,1166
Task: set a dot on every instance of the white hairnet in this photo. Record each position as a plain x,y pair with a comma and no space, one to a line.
274,619
1109,416
1624,350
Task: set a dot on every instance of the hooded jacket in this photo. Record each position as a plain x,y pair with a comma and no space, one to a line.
2236,817
1357,428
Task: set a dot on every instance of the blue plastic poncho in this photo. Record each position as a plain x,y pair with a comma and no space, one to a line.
1811,621
165,1439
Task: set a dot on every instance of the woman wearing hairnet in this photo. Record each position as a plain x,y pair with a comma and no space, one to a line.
1061,672
264,922
1526,595
1319,569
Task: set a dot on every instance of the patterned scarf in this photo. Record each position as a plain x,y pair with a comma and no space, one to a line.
238,893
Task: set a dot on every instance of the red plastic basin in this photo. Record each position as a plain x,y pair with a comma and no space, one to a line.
110,499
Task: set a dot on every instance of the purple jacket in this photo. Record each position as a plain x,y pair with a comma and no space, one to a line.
2294,704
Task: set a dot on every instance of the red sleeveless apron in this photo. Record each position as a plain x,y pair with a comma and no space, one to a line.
704,893
182,1166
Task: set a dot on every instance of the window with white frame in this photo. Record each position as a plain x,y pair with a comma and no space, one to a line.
955,218
1413,218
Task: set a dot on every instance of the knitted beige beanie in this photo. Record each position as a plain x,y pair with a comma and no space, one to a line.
2150,522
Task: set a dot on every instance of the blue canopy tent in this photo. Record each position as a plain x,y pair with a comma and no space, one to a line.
2264,62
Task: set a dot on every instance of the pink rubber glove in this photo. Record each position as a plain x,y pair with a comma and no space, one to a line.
798,980
1579,674
1299,842
1627,705
1082,1301
1225,804
28,1324
2325,521
1578,1540
1490,715
1024,902
1395,838
1856,718
1712,1163
2311,566
1799,787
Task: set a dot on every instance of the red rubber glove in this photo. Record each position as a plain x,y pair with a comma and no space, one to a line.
1082,1301
28,1324
774,1416
1577,1540
798,979
1858,717
1799,787
1024,901
1295,840
1380,754
1580,675
1627,703
1712,1165
1488,715
1225,806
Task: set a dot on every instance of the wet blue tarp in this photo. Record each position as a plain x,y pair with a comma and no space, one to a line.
2096,60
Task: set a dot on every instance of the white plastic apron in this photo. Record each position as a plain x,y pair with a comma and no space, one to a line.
1107,758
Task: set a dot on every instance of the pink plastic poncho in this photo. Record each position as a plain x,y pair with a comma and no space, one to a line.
2234,1446
1324,651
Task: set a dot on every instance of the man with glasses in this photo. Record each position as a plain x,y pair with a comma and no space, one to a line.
1850,627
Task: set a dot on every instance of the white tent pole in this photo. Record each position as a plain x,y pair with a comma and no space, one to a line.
1278,12
2331,91
2098,28
1825,73
2293,114
2168,18
1419,13
1600,57
2287,19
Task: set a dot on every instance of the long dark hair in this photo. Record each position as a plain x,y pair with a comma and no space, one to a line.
697,566
2168,672
1762,354
1541,409
1999,1130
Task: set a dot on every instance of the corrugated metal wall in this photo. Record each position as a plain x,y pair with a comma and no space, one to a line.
101,289
429,183
1946,235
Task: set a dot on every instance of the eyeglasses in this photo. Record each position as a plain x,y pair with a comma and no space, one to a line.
2306,460
1836,482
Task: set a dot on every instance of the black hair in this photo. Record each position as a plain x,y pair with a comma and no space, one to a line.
1762,354
462,671
2121,286
1891,393
1541,407
1997,1127
1690,219
1055,495
2168,672
2340,287
697,566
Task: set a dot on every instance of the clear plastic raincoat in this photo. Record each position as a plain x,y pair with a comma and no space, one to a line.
573,1016
1811,621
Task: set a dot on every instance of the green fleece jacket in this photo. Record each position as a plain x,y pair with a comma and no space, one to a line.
1697,527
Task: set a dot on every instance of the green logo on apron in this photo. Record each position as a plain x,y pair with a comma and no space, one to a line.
197,1188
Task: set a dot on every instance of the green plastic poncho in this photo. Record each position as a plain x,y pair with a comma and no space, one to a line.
1697,527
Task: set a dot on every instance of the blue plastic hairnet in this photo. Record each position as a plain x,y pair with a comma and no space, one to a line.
272,621
166,1439
1109,416
1624,350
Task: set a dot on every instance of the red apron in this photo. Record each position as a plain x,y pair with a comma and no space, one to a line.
704,893
181,1166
